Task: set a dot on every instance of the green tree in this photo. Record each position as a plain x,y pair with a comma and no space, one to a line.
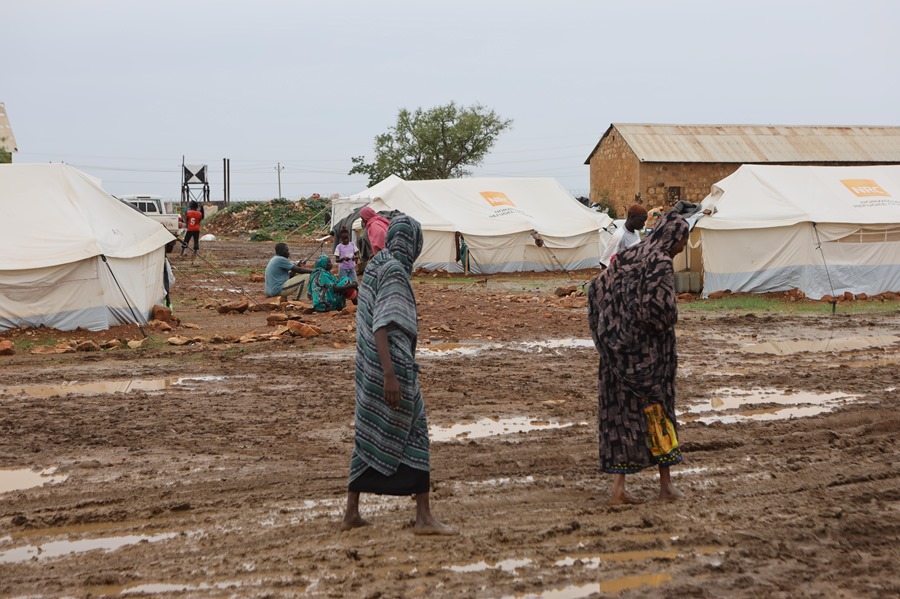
439,143
5,155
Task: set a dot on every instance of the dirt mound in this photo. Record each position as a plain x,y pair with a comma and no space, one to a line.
268,218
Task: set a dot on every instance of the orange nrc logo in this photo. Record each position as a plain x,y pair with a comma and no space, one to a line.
864,187
496,198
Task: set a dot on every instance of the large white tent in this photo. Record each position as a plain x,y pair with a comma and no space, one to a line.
71,255
824,230
497,218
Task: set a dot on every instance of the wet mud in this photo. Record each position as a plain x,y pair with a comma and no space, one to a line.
220,470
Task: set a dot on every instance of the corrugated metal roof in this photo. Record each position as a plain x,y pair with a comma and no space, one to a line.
758,143
9,143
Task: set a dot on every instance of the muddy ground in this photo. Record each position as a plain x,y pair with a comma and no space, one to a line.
220,470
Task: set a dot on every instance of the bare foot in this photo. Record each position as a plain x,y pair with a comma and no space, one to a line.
669,495
354,522
433,527
624,499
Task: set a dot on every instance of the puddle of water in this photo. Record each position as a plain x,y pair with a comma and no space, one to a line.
154,588
62,548
334,355
593,561
802,404
472,349
494,482
25,478
613,585
559,344
454,349
487,427
787,347
105,387
507,565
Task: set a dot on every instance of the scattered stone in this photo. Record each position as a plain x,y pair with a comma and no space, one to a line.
265,306
161,313
6,348
862,297
272,319
827,299
848,296
565,291
87,346
177,340
190,325
217,339
112,344
44,350
255,277
239,307
136,343
719,294
301,329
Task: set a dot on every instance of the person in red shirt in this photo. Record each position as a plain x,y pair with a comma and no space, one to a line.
193,217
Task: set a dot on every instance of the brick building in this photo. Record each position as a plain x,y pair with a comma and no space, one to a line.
657,165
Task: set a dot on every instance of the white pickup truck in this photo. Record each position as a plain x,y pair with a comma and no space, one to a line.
153,207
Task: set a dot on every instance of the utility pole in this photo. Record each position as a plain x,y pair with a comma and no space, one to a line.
279,168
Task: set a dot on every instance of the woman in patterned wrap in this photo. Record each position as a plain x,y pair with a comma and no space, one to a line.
632,315
391,450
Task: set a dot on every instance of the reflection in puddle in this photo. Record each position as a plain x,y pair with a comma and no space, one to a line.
783,348
739,403
24,478
106,387
507,565
61,548
487,427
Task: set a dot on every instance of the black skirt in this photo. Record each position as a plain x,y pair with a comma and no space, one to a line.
406,481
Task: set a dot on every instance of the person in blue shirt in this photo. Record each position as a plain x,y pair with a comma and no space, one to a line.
283,277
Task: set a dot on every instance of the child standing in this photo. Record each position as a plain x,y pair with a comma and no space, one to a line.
346,255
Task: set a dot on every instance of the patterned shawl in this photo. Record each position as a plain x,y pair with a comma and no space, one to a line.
386,437
321,288
633,312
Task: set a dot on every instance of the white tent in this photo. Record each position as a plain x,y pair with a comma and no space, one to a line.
824,230
71,254
497,218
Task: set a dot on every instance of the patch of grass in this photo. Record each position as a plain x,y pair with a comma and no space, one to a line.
758,303
25,344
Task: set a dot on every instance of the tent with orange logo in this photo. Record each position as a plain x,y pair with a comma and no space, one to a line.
508,224
825,230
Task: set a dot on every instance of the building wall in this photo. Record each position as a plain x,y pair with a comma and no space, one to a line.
617,177
663,184
614,171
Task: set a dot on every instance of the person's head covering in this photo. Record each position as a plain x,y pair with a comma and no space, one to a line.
367,213
322,262
637,210
671,228
404,240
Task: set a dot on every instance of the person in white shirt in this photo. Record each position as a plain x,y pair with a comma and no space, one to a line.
625,236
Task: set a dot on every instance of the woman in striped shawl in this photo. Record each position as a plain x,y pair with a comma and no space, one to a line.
390,453
632,315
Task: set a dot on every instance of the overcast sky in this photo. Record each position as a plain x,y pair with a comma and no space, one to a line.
123,89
